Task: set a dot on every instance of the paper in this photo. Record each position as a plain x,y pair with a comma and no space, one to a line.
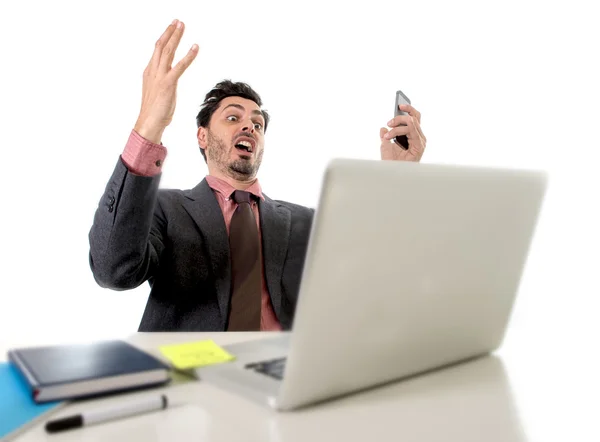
18,411
195,354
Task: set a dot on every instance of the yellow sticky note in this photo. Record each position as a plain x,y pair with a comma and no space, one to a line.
195,354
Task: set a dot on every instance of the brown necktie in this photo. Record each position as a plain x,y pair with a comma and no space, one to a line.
245,267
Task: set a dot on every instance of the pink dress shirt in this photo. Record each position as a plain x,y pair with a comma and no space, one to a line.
145,158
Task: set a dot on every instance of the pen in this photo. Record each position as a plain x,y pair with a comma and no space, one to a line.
118,411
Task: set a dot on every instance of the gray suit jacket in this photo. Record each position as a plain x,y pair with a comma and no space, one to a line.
177,241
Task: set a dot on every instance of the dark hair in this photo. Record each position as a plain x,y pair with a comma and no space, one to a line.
224,89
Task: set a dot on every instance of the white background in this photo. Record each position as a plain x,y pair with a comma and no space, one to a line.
507,83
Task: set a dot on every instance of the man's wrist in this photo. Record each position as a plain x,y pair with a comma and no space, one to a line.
150,132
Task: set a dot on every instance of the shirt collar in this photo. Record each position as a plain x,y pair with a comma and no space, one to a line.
226,189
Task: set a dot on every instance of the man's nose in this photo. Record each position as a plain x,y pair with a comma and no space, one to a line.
248,127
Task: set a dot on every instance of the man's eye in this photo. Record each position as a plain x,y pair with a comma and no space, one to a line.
258,126
232,118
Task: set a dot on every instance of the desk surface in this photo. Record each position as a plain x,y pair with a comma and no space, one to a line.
487,399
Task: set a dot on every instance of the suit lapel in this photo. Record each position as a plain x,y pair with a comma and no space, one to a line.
275,223
202,205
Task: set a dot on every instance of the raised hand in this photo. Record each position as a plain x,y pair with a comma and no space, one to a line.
409,125
159,89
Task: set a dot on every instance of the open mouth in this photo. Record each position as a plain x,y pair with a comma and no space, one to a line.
245,144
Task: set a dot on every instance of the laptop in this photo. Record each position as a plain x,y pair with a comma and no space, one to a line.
410,267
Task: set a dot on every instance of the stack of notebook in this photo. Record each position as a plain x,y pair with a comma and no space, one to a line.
73,371
38,379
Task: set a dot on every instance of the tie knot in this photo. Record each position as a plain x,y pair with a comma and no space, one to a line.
241,196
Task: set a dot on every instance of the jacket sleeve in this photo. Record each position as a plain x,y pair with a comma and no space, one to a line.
127,234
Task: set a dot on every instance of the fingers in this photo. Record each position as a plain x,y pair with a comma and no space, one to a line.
382,132
164,52
159,46
386,148
398,120
168,52
185,62
397,131
402,125
411,111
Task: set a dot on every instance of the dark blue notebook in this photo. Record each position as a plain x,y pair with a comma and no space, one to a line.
74,371
18,411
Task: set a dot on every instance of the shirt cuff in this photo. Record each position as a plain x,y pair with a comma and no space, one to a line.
143,157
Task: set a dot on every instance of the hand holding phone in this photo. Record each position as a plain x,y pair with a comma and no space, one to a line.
401,140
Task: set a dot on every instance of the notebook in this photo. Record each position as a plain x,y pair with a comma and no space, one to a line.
18,411
82,370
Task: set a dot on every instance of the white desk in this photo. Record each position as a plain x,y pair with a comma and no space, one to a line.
475,401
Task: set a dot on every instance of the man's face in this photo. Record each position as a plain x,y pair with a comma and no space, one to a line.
234,139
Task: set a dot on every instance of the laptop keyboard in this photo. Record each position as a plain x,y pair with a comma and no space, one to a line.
273,368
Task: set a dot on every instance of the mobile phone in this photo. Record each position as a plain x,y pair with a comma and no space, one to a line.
401,140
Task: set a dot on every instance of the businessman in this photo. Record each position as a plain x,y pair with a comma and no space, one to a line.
222,256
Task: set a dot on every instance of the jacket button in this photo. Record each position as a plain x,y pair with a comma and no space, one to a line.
111,200
110,208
